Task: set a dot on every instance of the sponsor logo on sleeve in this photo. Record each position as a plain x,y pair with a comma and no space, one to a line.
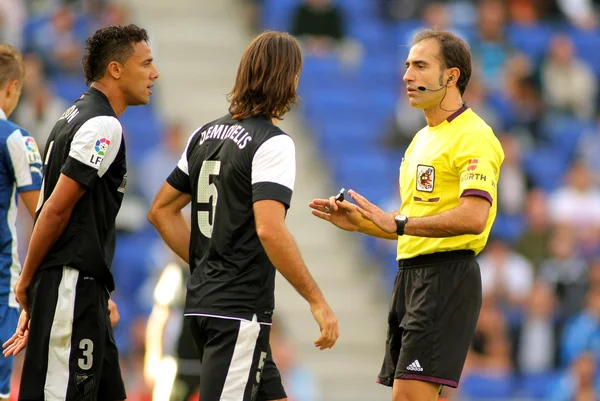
33,154
100,149
472,166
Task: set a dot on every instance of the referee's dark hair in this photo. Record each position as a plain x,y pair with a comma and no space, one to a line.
11,65
267,77
108,44
454,53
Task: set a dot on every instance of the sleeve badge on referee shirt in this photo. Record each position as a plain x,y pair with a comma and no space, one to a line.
425,178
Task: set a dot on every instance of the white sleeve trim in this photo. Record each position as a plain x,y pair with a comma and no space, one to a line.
97,142
23,156
183,161
275,161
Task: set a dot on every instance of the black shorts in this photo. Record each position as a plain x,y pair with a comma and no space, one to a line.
71,352
434,308
236,360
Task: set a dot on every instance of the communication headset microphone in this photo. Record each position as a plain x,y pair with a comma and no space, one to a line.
423,89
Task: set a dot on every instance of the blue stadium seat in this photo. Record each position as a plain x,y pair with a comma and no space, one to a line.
546,166
142,128
487,387
586,45
370,34
537,386
509,228
68,87
277,14
564,133
531,40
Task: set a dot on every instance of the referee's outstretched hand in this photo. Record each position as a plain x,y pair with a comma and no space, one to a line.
371,212
327,323
341,214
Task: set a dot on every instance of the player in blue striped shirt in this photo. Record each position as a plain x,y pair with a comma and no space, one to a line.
20,173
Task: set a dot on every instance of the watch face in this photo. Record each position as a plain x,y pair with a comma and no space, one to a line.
400,218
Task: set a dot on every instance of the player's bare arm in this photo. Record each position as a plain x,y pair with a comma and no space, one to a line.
345,215
165,214
285,256
51,223
469,217
30,199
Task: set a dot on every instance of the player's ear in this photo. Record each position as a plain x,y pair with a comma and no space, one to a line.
12,88
115,69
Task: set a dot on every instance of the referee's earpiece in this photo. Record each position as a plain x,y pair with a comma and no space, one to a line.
451,78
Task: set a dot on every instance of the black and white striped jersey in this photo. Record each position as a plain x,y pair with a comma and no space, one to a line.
226,167
87,145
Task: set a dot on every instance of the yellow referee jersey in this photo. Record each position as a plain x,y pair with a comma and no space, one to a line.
459,157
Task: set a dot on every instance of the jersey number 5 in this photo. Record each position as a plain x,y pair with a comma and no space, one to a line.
206,191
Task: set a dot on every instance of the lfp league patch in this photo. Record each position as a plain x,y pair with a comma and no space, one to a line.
99,151
425,178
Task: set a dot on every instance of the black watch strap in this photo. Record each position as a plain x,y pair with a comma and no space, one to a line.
400,224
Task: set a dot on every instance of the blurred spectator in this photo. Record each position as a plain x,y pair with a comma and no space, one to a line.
588,150
13,16
490,48
506,276
113,13
536,338
398,10
565,271
523,96
477,97
320,25
580,382
580,12
583,332
523,12
58,44
576,203
436,15
569,86
533,243
39,108
157,164
404,124
513,183
490,348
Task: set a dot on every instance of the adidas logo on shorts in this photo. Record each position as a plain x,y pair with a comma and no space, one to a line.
416,366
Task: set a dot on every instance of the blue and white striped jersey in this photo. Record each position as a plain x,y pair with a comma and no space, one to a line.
20,171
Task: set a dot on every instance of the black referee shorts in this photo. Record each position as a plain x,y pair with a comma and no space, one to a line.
433,312
236,360
71,352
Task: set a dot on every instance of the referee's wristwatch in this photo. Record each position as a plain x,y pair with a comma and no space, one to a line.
401,221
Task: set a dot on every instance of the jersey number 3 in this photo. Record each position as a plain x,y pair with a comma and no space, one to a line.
206,191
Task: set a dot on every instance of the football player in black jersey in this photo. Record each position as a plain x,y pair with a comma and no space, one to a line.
239,171
66,280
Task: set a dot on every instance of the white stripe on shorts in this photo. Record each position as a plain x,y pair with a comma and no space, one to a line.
59,346
241,361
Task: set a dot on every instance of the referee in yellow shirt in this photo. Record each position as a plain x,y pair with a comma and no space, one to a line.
448,183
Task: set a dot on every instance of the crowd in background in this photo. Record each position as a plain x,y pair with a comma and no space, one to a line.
536,70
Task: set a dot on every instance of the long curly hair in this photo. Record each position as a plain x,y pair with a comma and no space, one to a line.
267,77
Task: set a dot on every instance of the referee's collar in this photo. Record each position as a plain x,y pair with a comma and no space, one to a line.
3,115
457,113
